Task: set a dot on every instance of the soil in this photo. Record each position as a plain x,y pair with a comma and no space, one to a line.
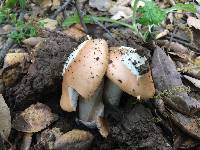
44,75
137,130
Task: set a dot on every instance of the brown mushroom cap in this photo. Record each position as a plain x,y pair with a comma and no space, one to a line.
34,118
84,73
124,72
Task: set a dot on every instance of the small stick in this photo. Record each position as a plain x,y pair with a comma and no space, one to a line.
59,10
180,38
102,26
81,17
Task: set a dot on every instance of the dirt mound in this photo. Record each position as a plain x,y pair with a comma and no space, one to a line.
44,74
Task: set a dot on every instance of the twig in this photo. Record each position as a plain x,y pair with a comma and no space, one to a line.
102,26
180,38
59,10
81,17
171,38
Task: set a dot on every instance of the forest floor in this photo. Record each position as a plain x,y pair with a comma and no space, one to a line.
31,78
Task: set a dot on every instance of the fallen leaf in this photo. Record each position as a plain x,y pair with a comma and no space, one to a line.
123,2
5,118
166,77
193,22
33,41
100,5
55,4
76,32
45,4
120,11
50,23
176,49
34,118
196,82
187,124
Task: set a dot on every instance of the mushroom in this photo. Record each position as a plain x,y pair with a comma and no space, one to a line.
83,72
129,72
31,120
75,139
83,77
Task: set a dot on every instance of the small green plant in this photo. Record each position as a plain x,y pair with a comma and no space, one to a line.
172,91
4,15
13,3
148,15
23,31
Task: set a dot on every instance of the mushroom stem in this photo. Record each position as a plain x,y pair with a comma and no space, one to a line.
112,93
27,140
92,108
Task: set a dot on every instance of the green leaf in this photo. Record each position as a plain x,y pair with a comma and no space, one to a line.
184,7
151,14
75,19
10,3
92,19
22,4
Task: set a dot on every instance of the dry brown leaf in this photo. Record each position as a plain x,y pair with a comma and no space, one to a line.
196,82
76,32
166,77
119,12
123,2
55,4
101,5
33,41
34,119
45,4
5,118
185,123
191,21
50,23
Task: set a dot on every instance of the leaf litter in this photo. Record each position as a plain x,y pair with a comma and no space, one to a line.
36,77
